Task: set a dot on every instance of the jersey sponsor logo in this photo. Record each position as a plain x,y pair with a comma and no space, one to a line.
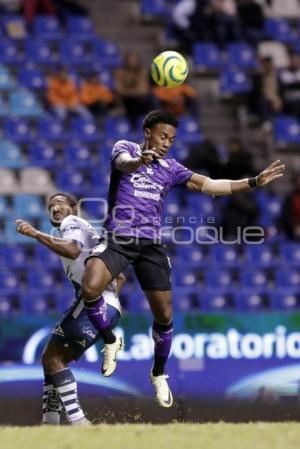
142,181
70,228
148,195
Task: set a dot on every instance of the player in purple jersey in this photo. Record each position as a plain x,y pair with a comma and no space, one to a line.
140,179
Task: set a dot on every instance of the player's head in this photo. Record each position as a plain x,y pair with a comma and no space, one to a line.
160,129
60,205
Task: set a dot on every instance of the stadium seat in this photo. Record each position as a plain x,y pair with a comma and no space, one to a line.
241,55
14,25
85,129
41,278
41,53
38,301
96,208
70,180
7,82
286,130
106,53
74,53
9,280
46,258
225,255
261,256
207,56
251,300
117,128
28,206
47,27
32,78
290,254
43,154
4,207
11,155
215,300
51,129
218,278
269,204
193,255
13,256
188,130
184,277
150,8
8,181
3,107
79,154
9,303
185,299
280,30
285,299
137,302
9,52
10,235
287,278
36,180
17,130
253,278
80,27
234,82
23,103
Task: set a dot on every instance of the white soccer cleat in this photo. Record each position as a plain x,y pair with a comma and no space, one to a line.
110,356
163,392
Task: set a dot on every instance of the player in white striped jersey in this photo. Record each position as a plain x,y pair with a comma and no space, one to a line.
74,333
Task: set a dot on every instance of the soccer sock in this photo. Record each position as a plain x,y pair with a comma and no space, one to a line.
162,335
52,406
97,313
66,387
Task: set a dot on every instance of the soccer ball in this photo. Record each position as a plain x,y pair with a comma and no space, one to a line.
169,69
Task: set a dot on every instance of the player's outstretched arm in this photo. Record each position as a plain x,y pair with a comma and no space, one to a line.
62,247
128,164
200,183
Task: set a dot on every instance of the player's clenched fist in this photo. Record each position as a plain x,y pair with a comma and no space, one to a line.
25,228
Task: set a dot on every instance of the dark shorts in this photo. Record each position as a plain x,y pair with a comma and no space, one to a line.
76,330
149,260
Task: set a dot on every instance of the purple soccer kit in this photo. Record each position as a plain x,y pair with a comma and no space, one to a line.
136,200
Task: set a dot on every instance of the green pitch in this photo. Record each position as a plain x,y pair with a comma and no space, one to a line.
139,436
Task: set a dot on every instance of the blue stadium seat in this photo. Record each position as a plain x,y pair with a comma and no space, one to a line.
9,52
117,128
4,206
285,299
260,255
280,30
188,130
85,130
11,155
137,301
287,278
204,204
287,130
17,129
38,300
96,208
7,82
3,107
241,55
290,254
41,278
218,278
74,52
234,82
8,302
27,205
70,180
44,257
14,256
215,300
207,56
225,255
251,300
106,53
253,278
78,155
269,204
52,129
184,277
40,52
9,280
43,154
185,299
23,103
151,8
14,25
80,27
193,255
32,78
47,27
44,225
10,235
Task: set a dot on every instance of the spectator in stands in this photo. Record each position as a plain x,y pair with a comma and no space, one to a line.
252,20
64,97
66,8
240,162
224,22
133,88
33,7
290,85
178,101
204,158
290,215
97,97
264,99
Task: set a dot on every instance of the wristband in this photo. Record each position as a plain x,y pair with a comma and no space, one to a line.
252,182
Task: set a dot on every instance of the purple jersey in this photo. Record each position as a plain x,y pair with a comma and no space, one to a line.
136,200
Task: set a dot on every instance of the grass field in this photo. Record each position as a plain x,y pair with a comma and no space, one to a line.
139,436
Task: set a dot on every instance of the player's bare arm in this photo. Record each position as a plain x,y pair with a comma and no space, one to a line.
200,183
62,247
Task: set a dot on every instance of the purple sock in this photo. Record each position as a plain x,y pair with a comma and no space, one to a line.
162,335
98,314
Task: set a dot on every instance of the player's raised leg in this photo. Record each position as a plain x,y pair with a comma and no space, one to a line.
62,387
96,277
162,333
